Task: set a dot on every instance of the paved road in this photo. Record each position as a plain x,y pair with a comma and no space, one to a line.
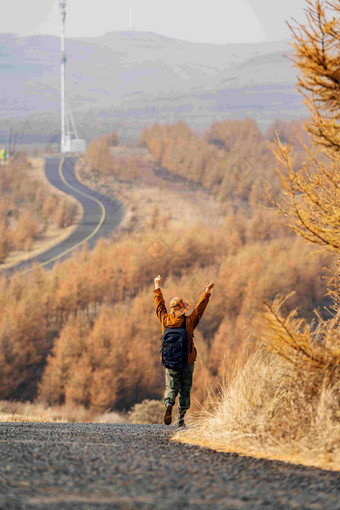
106,466
102,214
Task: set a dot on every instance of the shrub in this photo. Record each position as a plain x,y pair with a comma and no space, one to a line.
148,411
65,214
25,232
49,206
5,241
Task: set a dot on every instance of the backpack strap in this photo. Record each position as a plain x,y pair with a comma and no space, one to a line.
184,326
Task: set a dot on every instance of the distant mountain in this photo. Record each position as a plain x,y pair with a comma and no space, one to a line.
127,79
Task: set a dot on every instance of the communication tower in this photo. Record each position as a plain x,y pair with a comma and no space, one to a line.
130,18
70,141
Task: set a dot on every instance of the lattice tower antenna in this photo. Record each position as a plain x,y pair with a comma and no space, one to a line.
63,65
69,136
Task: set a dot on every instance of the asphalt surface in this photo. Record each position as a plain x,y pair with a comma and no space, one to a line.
105,466
102,215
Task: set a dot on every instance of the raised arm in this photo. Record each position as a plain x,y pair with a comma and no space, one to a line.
161,310
196,315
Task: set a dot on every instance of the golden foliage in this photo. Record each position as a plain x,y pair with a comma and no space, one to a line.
49,206
115,361
312,201
312,197
313,192
5,241
25,232
112,139
99,158
231,160
65,213
22,335
317,56
313,352
154,220
96,310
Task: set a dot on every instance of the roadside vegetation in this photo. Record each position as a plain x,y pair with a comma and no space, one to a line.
284,402
41,412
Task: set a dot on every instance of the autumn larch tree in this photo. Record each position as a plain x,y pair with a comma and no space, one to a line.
312,193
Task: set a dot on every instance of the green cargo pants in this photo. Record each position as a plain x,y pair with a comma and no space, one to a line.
178,382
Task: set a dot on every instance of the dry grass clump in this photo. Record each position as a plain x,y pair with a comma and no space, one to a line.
148,411
284,402
273,409
20,418
41,412
28,412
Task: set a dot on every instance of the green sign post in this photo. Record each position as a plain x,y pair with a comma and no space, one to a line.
3,155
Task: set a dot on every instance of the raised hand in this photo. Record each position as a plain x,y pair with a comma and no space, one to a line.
158,281
209,286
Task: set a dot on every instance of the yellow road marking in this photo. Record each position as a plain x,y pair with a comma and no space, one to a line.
102,219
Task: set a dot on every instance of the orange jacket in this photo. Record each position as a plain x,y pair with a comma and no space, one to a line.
171,321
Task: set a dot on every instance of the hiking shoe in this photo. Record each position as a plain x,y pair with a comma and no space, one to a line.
167,415
181,423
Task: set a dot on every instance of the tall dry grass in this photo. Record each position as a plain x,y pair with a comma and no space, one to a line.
271,408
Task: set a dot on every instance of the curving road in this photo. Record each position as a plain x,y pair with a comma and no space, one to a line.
137,467
102,214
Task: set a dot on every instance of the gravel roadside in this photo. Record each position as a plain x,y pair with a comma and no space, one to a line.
102,466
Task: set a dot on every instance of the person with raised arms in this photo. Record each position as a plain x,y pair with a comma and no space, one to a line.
178,349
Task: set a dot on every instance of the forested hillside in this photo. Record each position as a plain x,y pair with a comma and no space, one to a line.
231,160
87,333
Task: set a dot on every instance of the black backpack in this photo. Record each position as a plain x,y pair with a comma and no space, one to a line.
175,347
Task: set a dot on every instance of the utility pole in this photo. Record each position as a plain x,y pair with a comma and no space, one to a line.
63,65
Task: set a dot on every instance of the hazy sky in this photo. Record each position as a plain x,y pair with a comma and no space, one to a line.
217,21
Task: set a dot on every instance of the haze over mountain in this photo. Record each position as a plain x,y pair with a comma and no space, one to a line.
124,80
